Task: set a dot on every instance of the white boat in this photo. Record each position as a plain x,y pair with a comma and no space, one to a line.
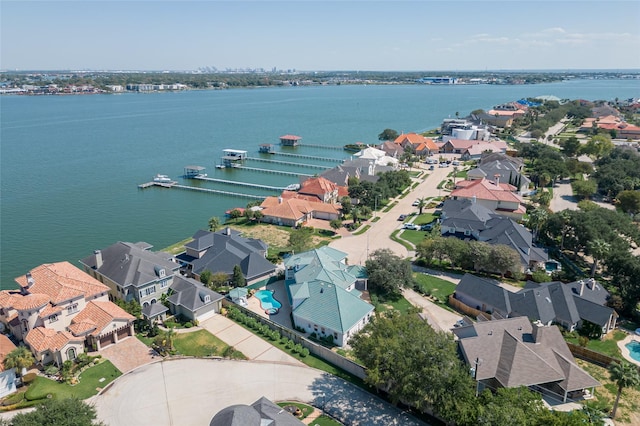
292,187
162,178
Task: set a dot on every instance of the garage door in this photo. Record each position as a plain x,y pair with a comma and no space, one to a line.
106,341
122,333
206,315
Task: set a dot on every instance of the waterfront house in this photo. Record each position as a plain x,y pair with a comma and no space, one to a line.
132,271
392,149
320,188
502,167
568,305
7,375
50,296
493,194
59,310
322,291
514,352
418,144
377,157
222,250
295,212
192,300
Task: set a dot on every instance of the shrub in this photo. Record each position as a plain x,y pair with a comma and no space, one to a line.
13,399
51,370
188,324
297,348
289,344
304,352
28,378
583,341
275,335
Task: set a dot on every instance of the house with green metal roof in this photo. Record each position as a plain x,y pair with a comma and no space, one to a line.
323,295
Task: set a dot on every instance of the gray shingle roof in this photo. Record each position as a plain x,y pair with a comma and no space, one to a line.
229,249
191,294
261,413
129,264
485,290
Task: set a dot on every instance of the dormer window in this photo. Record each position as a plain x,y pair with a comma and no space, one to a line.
207,298
53,318
160,271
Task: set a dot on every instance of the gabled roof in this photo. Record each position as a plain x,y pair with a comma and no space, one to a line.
96,317
487,291
191,294
324,264
261,413
61,282
130,264
534,304
317,186
42,339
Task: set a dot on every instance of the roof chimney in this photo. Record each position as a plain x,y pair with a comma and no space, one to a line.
279,200
538,331
30,280
98,254
497,177
581,287
228,231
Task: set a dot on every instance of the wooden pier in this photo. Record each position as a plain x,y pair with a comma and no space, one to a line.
194,188
277,172
286,163
245,184
309,157
339,148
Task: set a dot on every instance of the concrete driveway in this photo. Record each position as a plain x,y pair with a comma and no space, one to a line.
358,247
438,318
191,391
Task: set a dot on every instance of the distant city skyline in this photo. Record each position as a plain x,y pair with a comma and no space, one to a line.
320,36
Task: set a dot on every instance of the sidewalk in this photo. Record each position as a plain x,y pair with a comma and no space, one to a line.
252,346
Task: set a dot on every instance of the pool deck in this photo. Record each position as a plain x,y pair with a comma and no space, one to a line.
625,351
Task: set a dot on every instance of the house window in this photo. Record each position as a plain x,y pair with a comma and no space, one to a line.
53,318
72,308
148,291
164,283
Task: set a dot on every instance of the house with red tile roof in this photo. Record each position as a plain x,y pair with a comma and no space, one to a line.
494,195
622,129
7,375
419,144
102,324
295,212
322,189
52,301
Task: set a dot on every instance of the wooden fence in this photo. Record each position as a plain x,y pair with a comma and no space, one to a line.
591,356
466,309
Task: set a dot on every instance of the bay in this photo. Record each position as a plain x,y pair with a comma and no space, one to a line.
70,165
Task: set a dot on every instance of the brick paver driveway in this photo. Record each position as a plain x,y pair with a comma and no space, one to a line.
128,354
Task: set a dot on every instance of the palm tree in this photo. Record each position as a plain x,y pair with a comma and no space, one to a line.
625,375
598,249
422,203
214,224
537,218
455,172
20,358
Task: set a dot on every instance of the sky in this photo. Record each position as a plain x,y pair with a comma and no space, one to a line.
320,35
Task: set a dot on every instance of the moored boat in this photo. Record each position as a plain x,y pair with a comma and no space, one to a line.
162,178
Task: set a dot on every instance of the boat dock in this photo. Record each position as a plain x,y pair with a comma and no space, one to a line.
309,157
195,188
232,182
339,148
277,172
285,163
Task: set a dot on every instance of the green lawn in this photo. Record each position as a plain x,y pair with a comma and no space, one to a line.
306,409
401,305
325,421
414,237
88,385
608,346
424,218
199,343
435,286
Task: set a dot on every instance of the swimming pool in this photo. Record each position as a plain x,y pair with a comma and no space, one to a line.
267,302
634,349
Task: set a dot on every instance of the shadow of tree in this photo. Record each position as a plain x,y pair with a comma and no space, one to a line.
354,406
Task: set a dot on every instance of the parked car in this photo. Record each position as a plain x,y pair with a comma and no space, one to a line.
440,204
411,226
431,167
402,217
455,162
415,203
443,165
427,226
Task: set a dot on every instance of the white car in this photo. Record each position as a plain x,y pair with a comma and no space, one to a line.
411,226
415,203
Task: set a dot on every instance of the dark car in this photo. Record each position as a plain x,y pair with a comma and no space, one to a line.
427,227
440,204
402,217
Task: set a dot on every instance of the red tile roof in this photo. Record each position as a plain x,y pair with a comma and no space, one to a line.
96,316
291,137
317,186
293,209
61,282
6,346
484,189
43,339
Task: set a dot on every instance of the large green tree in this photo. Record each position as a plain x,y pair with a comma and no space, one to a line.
584,188
388,273
300,239
214,224
59,412
417,366
388,135
629,201
624,375
238,279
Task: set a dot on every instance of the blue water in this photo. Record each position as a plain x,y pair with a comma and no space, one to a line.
267,301
634,350
70,165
